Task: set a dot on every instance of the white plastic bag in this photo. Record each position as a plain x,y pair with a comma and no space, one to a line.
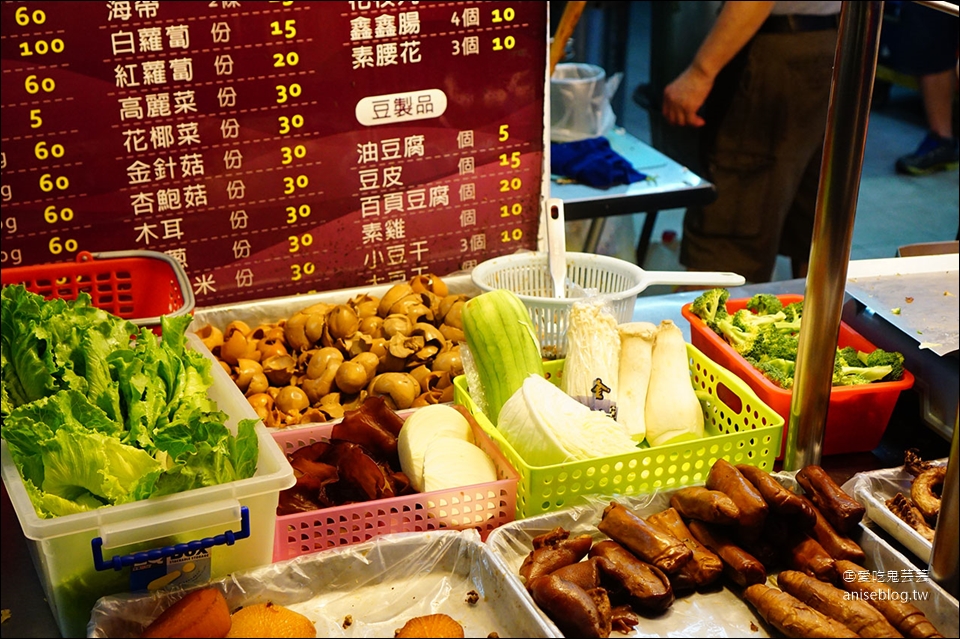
580,102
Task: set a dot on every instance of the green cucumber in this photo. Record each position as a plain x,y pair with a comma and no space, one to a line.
503,343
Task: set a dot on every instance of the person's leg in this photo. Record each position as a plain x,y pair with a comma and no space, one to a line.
928,49
937,90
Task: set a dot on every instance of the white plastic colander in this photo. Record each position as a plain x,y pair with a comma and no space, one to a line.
617,281
528,275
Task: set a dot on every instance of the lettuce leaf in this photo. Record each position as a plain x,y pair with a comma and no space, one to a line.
97,411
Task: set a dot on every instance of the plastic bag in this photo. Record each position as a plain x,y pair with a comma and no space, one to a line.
580,102
380,584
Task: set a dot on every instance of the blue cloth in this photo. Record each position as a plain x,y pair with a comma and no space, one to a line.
592,162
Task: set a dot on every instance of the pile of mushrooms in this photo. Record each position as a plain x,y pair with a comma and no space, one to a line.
328,358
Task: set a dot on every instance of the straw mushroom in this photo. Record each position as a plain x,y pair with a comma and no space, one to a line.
211,336
245,371
279,369
429,282
398,389
393,295
263,406
342,322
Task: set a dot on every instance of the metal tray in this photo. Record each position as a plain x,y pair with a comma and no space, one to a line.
873,489
277,308
719,613
380,584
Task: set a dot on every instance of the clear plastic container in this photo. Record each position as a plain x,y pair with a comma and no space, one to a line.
63,548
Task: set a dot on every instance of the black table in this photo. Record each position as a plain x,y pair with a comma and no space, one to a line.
669,186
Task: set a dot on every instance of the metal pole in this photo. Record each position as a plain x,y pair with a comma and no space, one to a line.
946,552
853,74
946,7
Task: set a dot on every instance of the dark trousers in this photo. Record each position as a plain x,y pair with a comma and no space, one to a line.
762,147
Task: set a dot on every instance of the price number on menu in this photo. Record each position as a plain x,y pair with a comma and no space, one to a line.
289,123
52,214
511,210
290,153
35,85
49,183
298,242
25,17
505,43
286,28
284,92
512,235
510,184
42,151
41,47
288,59
297,271
297,213
58,245
511,160
293,184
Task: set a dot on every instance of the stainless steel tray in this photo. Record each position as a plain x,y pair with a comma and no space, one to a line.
277,308
380,584
873,489
720,613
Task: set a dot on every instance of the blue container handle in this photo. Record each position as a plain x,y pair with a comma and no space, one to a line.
120,561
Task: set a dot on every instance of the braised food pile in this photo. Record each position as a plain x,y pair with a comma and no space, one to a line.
921,509
376,453
737,529
327,358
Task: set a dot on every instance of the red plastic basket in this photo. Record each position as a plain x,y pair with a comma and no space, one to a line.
136,285
857,416
482,507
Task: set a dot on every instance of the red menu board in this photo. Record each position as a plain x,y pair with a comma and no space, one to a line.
273,148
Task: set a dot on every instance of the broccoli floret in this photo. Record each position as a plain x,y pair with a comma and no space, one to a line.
739,337
851,375
851,356
765,304
778,345
747,320
711,306
846,375
790,327
778,371
893,359
793,311
746,331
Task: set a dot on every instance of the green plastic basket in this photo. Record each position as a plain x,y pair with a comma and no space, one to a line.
740,428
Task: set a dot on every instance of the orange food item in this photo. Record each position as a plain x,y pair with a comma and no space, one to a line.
438,625
270,620
201,613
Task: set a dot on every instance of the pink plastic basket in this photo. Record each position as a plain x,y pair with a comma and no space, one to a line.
482,506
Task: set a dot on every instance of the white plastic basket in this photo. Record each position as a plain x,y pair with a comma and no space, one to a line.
618,282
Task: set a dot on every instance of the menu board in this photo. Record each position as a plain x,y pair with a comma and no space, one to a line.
274,148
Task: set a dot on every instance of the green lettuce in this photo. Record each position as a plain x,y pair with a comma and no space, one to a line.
97,411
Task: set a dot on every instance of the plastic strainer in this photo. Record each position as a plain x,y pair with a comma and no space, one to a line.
617,281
